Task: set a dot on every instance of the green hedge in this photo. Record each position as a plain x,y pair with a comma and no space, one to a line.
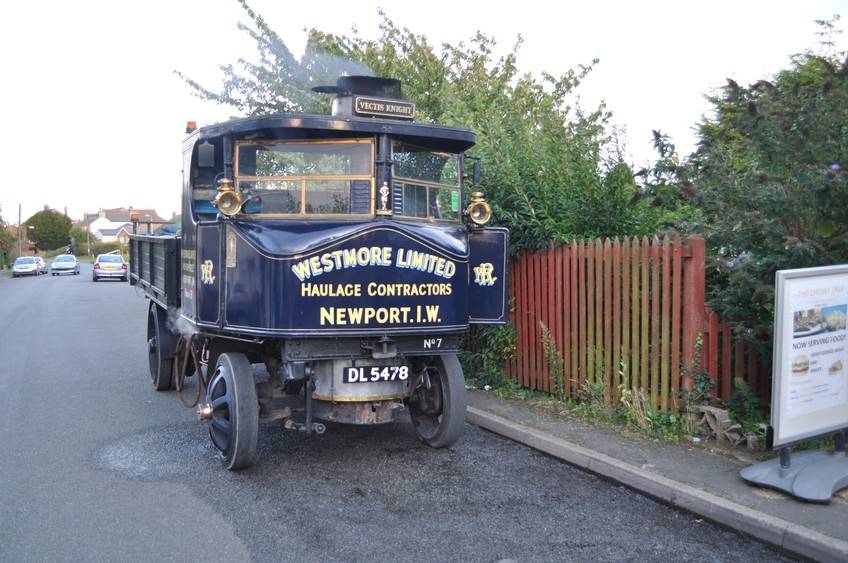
104,247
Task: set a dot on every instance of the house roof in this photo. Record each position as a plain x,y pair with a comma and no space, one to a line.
122,214
114,231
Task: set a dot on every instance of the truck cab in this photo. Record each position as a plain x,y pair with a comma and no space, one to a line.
344,252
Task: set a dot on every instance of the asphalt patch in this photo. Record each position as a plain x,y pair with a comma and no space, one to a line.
366,493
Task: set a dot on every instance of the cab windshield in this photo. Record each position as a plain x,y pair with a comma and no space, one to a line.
306,177
426,182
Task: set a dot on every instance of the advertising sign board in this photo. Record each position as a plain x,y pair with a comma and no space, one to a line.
810,369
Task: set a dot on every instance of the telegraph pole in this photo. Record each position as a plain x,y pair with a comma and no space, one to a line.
20,242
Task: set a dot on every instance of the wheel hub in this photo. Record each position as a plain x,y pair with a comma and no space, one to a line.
428,398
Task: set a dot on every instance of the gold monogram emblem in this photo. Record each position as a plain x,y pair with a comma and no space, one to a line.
206,272
483,274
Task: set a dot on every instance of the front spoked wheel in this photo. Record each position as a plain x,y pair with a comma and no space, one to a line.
437,405
234,425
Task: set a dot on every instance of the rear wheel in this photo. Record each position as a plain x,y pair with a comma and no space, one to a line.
161,343
438,412
234,425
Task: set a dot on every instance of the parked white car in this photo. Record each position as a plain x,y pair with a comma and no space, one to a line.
110,266
65,264
26,266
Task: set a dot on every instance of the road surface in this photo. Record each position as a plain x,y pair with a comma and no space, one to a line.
100,467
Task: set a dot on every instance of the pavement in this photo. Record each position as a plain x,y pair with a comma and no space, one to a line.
702,479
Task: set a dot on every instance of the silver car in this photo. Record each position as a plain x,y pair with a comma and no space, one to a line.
26,266
110,266
65,264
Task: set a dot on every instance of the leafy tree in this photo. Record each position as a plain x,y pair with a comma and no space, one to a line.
544,170
7,246
50,229
771,178
78,235
7,243
666,190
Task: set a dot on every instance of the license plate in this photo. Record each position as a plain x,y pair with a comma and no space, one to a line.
111,268
375,374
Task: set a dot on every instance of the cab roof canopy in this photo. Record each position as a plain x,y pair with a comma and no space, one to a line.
316,126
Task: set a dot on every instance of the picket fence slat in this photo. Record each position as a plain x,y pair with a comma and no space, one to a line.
643,339
607,314
725,361
582,286
551,316
676,272
712,362
559,309
589,375
541,370
616,318
636,257
573,383
752,368
598,351
655,324
625,314
665,328
525,352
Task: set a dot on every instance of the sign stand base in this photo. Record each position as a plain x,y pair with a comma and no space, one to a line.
812,476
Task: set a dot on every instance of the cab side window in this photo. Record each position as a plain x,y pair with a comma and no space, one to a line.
425,182
206,169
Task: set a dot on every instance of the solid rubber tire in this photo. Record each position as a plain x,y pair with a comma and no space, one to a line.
160,362
243,413
454,402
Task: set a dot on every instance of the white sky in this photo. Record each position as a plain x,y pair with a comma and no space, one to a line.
92,115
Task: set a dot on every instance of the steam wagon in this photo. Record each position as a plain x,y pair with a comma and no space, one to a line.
341,251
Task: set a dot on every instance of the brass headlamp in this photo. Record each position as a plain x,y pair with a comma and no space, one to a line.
227,200
478,210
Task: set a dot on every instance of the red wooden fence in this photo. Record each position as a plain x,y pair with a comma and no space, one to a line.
725,358
622,311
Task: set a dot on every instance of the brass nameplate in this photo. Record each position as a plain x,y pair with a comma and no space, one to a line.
376,107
